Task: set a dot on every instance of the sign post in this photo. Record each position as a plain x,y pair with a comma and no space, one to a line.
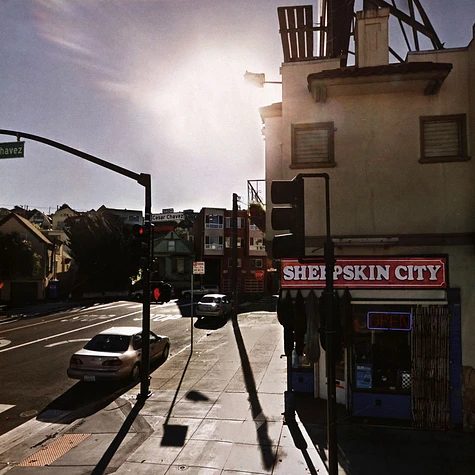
198,268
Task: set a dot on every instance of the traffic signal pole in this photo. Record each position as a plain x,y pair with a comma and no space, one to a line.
145,369
292,245
234,267
145,180
330,331
329,256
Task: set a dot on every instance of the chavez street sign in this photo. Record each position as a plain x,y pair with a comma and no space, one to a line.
12,149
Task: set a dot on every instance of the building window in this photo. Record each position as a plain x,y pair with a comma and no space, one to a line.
443,138
229,223
214,243
229,242
171,246
256,244
313,145
230,262
178,265
253,227
214,221
256,263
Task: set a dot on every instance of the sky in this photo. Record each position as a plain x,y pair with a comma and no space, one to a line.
154,86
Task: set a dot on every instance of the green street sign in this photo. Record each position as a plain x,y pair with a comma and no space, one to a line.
12,149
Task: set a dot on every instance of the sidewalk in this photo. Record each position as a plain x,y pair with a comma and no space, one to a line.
218,410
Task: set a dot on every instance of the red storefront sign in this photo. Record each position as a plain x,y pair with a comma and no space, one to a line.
374,273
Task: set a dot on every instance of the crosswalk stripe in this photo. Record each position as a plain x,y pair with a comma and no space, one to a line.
5,407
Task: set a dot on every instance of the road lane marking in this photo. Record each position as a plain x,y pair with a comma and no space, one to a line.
62,318
66,341
4,342
5,407
66,333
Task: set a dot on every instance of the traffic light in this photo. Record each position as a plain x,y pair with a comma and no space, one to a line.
141,242
291,217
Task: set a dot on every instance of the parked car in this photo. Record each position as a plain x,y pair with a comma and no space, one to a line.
213,305
159,292
200,291
115,354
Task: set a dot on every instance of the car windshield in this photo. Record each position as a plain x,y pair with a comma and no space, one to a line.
109,343
209,300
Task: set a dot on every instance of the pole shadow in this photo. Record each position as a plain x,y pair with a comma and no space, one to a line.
268,456
103,463
174,435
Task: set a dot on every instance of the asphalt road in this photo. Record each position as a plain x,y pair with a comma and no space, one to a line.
35,352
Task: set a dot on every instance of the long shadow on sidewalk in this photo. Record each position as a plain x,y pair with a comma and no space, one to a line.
103,463
174,435
268,457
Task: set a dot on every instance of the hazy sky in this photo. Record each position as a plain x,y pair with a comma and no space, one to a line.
155,86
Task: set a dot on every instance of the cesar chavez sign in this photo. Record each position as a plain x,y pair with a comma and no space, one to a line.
156,218
12,149
397,272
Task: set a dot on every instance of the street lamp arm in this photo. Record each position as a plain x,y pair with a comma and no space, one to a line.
140,178
258,79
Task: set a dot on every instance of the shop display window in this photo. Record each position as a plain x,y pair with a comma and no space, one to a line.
381,349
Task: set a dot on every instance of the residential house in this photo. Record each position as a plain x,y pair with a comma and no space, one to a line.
40,220
60,215
127,215
172,259
18,288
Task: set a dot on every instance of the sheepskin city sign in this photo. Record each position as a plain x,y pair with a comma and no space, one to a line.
391,272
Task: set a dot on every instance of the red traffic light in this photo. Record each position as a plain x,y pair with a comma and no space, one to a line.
138,230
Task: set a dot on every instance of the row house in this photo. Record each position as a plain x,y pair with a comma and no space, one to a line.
213,237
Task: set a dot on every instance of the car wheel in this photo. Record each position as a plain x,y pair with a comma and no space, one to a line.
135,373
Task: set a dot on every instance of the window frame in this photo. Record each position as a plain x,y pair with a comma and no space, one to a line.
214,225
308,127
461,121
209,245
238,261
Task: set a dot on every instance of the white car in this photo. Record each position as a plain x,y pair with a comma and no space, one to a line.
214,305
115,354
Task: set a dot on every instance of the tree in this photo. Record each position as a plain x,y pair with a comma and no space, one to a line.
100,244
17,259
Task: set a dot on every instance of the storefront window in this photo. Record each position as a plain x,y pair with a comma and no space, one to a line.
382,356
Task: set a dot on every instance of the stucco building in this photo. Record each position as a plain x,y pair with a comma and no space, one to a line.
397,142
